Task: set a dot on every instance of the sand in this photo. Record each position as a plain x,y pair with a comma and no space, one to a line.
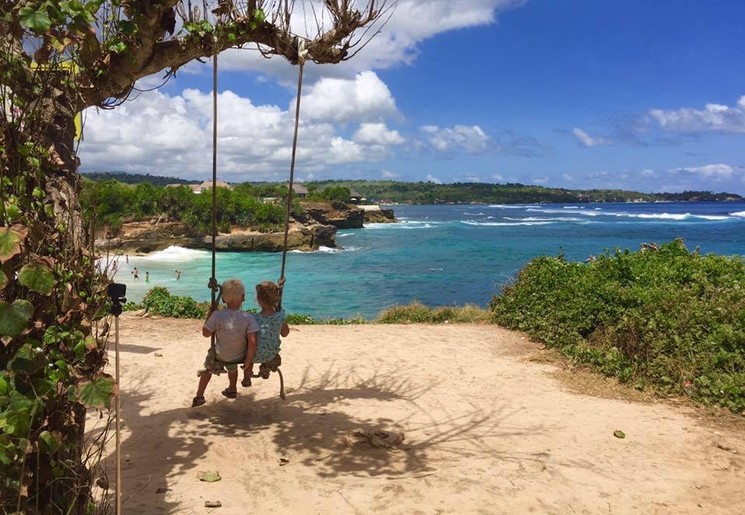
405,419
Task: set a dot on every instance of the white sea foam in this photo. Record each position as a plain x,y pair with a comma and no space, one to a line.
643,216
408,224
738,214
176,254
503,224
512,206
541,219
325,250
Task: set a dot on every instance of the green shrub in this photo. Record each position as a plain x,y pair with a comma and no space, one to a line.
418,313
667,318
159,301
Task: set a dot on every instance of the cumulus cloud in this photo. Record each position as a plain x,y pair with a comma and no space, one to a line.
588,141
364,98
396,42
433,179
712,118
172,135
720,170
460,137
377,134
346,112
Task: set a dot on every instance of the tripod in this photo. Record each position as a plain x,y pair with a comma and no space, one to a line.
116,293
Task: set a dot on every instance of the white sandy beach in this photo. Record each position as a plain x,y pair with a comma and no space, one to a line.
486,428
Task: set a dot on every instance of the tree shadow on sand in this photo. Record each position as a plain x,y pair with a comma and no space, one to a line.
315,426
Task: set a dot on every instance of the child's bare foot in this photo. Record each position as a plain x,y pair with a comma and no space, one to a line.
246,382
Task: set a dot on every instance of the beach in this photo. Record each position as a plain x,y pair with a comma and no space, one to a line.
407,419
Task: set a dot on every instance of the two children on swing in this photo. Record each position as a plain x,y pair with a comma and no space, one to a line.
243,337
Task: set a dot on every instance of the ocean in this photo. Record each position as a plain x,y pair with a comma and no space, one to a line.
441,255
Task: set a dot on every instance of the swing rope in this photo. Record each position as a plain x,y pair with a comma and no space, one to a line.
213,285
302,52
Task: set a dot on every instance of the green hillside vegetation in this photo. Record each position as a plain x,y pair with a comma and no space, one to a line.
110,203
396,192
666,319
393,192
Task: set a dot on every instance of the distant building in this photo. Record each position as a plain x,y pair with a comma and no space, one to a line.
205,186
299,190
356,198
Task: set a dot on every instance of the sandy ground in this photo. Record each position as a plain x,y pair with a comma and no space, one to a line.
486,429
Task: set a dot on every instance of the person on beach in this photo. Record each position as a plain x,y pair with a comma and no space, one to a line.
178,274
147,276
135,273
272,324
235,340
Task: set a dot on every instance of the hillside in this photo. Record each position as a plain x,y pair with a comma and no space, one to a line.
396,192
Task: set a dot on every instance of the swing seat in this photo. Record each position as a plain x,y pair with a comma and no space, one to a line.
270,366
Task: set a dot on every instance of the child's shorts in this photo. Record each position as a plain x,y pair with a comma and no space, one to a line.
213,366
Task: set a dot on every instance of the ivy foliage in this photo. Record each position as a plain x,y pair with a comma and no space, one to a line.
662,317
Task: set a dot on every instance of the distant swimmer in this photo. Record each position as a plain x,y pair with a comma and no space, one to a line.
178,274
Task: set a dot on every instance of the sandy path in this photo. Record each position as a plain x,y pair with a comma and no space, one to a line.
486,431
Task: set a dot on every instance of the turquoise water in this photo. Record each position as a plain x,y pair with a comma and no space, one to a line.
442,255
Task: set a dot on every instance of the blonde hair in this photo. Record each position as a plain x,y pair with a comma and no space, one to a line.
233,291
268,293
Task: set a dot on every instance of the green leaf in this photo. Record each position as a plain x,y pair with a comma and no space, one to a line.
96,393
28,358
50,442
10,244
619,434
16,419
4,386
35,21
37,277
209,477
127,27
3,280
14,317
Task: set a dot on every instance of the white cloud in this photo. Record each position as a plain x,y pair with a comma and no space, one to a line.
720,171
365,98
588,141
377,134
461,137
432,178
713,118
172,135
387,174
412,22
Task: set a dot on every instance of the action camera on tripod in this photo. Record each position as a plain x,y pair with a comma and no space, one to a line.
117,292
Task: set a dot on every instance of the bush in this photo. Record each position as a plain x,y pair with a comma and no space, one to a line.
159,301
662,317
418,313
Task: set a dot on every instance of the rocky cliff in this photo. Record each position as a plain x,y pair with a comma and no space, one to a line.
315,227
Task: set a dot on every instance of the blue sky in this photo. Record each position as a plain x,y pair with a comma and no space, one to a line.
633,94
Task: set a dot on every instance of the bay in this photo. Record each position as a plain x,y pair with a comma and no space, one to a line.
441,255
